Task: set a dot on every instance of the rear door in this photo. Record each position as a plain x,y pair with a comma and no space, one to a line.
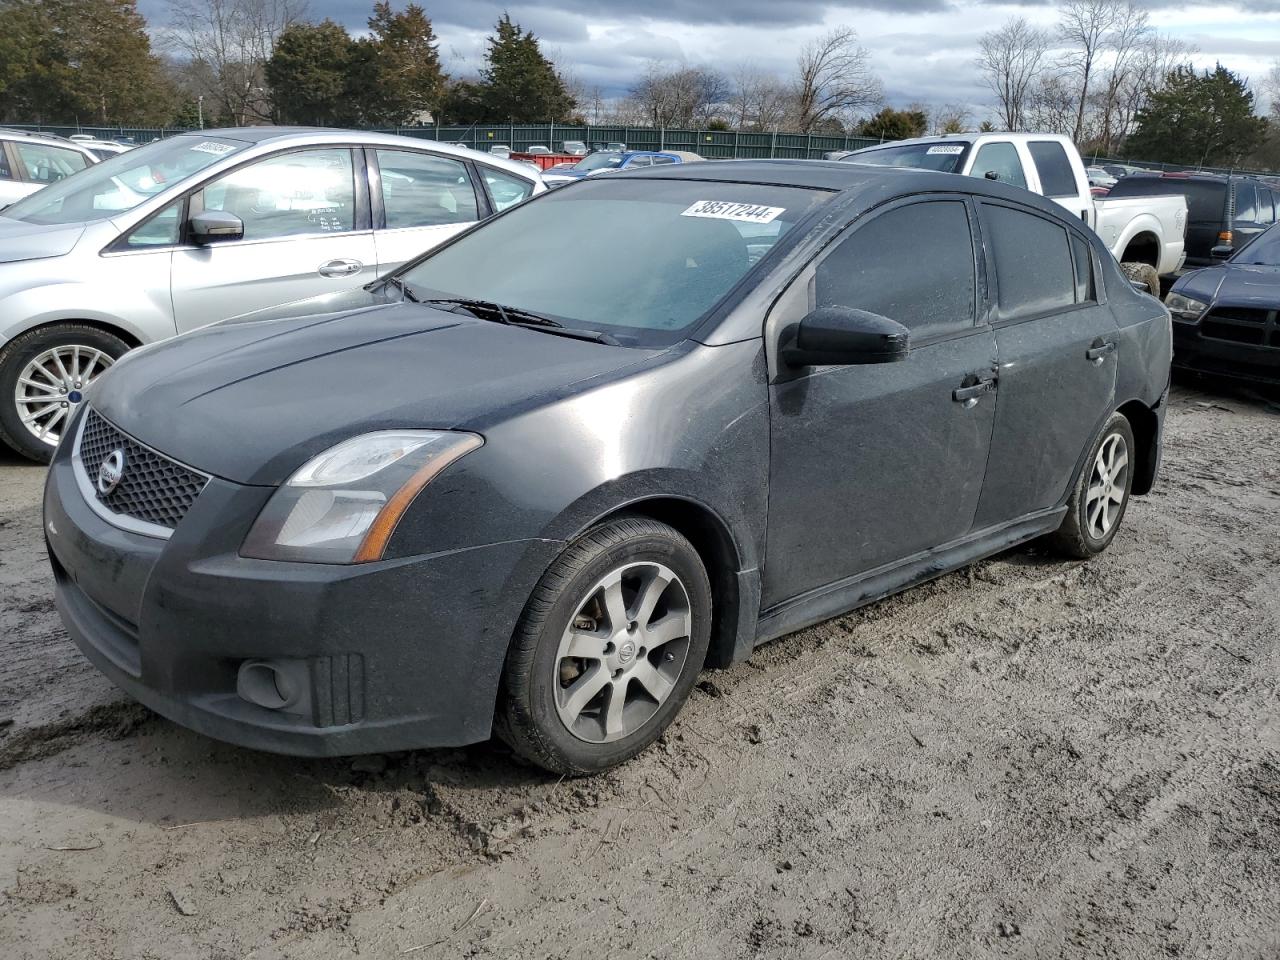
871,464
1057,344
420,199
306,232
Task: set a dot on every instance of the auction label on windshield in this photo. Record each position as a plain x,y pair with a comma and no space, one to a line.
218,149
950,149
726,210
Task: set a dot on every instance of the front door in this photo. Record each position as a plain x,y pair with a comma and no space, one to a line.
872,464
1057,347
304,235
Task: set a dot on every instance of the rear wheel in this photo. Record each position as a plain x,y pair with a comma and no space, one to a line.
43,376
608,648
1101,494
1145,274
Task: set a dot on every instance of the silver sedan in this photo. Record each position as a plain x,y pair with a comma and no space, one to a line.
187,231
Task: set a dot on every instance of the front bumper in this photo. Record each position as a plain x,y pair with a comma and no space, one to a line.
1194,351
400,654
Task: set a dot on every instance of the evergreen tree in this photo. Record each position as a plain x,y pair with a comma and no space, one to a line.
520,84
80,60
1198,119
309,75
408,84
890,124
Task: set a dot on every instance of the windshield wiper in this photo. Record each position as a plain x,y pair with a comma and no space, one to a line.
515,317
400,285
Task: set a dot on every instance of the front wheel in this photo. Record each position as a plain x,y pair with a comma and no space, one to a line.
43,376
1101,493
608,648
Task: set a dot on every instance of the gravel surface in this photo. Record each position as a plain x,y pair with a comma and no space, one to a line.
1028,758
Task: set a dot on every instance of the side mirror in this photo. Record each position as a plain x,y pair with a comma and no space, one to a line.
992,175
840,335
1222,251
215,226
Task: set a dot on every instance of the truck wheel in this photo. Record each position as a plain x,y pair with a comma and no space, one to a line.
608,648
43,376
1145,274
1101,494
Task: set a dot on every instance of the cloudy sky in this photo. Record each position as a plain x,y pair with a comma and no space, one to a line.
923,49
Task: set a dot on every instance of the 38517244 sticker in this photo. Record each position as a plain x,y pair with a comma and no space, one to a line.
728,210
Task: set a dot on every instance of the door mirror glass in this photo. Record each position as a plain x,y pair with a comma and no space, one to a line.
215,226
842,335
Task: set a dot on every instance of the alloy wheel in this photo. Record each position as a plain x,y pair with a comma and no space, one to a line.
1107,486
52,385
623,651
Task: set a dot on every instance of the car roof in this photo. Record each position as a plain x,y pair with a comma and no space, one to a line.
320,135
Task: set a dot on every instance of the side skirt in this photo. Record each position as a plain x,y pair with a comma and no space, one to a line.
852,592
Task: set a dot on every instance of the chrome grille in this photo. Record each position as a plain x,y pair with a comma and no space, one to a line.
152,489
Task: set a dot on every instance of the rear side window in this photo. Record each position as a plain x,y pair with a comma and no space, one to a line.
913,264
1000,159
1246,203
1266,204
1206,199
505,189
1056,176
423,190
1034,269
5,172
1083,262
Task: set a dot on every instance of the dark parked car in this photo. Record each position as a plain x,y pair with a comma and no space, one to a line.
502,491
1227,317
1223,213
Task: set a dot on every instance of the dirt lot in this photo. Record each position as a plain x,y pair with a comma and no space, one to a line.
1024,759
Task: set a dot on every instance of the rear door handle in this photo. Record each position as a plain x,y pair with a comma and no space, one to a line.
1098,351
340,268
971,393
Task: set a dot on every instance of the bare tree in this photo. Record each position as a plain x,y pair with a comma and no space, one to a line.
834,80
1011,59
758,100
226,44
680,96
951,118
1128,39
1271,89
1051,106
1153,61
1085,26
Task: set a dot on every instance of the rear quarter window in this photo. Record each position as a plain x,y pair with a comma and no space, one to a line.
1057,179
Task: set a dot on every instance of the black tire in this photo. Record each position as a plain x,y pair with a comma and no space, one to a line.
18,353
1145,274
1079,536
527,716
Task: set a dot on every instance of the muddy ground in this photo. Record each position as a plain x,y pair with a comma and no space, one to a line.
1028,758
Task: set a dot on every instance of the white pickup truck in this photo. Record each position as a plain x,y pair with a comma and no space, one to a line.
1146,234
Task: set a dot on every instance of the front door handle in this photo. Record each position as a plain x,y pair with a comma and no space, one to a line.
969,394
1098,352
340,268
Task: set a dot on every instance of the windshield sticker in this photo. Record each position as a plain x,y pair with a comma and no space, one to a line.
949,150
217,149
741,212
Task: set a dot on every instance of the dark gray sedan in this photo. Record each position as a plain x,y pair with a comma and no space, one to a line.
498,492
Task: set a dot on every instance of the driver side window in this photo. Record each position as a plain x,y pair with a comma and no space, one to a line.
913,264
308,191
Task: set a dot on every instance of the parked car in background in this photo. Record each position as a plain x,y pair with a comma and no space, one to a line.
29,161
500,150
609,162
538,149
194,228
1226,318
1098,177
103,149
575,148
1224,212
1145,235
521,493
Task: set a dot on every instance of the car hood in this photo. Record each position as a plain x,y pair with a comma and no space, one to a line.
20,240
251,402
1248,284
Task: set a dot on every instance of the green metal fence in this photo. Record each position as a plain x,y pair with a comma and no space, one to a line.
712,144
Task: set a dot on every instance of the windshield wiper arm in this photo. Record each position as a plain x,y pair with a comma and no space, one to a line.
400,285
515,317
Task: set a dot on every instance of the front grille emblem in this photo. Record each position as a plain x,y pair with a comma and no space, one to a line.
111,472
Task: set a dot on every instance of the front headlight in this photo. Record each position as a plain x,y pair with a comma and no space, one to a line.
1186,309
343,505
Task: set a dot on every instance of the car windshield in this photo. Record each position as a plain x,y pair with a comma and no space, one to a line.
944,157
686,245
1262,251
599,161
122,182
